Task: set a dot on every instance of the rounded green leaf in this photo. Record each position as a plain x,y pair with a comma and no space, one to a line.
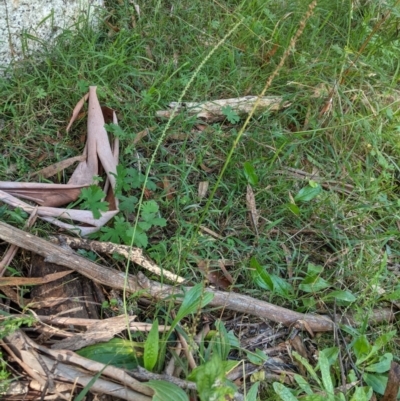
165,391
308,193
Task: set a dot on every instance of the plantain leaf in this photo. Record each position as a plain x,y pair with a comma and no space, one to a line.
116,352
165,391
151,347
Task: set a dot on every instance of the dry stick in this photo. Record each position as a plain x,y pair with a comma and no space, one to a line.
134,254
144,375
9,256
112,278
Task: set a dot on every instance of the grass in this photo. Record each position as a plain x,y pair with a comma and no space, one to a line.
140,64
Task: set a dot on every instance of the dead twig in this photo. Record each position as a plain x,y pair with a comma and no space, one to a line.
134,254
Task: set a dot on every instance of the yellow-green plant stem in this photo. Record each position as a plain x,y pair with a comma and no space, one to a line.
159,142
246,123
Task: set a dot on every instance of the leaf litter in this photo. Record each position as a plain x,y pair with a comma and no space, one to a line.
98,155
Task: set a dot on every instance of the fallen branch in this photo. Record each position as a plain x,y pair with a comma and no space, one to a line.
212,111
134,254
226,300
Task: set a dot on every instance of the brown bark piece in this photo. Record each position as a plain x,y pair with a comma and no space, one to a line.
393,384
66,294
212,111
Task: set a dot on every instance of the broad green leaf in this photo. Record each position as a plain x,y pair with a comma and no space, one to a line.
382,366
313,270
346,296
258,357
159,222
361,347
140,238
293,208
166,391
211,381
314,397
284,393
377,382
149,207
144,225
233,340
250,173
332,354
116,352
252,393
281,286
127,203
326,375
352,377
151,347
313,284
379,343
303,384
308,193
362,394
118,232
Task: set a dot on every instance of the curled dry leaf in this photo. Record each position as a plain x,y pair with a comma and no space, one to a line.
33,280
57,167
213,276
251,206
168,188
50,196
